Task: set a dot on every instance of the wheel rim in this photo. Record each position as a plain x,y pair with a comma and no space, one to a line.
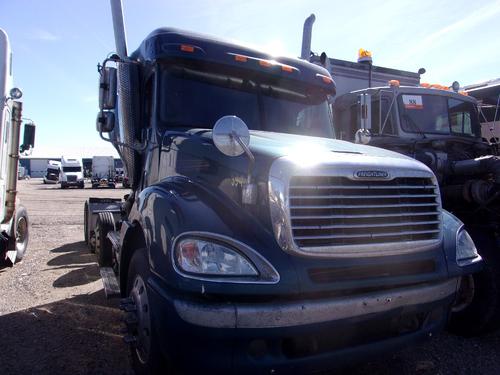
21,230
143,334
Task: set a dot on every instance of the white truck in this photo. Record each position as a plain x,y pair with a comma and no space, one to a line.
14,223
53,171
103,172
71,173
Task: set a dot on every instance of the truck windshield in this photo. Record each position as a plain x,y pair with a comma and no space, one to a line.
196,98
72,169
437,114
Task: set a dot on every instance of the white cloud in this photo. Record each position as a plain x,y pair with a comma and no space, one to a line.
452,31
44,35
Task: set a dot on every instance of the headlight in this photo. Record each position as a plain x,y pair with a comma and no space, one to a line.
466,250
211,258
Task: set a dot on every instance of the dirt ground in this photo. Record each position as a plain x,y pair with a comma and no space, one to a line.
54,318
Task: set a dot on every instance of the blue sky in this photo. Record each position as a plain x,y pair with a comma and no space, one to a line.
58,43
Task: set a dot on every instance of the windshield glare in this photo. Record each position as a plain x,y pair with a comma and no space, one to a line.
437,114
261,105
72,169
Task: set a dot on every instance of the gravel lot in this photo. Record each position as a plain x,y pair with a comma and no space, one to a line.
54,318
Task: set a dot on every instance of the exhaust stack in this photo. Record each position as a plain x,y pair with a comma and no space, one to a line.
13,162
119,28
306,37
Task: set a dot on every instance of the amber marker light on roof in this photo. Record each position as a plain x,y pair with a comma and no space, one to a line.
394,83
265,63
187,48
240,58
287,68
324,78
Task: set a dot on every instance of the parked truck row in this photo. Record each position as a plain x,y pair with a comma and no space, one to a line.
253,241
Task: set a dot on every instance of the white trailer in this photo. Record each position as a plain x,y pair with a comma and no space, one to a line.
103,172
71,173
14,223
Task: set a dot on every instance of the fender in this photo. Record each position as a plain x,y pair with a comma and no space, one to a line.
177,205
451,226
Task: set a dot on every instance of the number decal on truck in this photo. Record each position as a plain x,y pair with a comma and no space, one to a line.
413,102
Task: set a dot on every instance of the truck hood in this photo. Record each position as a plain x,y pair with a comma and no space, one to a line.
279,144
275,145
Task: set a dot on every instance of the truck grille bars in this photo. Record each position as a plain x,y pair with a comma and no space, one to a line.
353,206
337,211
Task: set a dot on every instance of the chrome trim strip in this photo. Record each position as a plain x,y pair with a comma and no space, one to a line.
267,272
343,165
290,314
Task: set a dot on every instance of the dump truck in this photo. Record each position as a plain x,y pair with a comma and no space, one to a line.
439,126
251,241
14,227
488,96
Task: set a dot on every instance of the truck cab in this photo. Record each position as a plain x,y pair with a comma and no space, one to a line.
71,173
14,223
53,172
252,241
103,172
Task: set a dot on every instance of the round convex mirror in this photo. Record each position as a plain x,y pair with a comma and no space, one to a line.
16,93
225,133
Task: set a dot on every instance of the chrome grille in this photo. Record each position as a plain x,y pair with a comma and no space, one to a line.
330,211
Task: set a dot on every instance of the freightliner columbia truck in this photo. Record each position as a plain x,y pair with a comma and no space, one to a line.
440,127
252,242
14,224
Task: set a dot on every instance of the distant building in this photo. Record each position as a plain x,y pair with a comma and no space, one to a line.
37,167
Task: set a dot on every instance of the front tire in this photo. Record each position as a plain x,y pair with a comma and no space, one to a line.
483,313
145,352
21,232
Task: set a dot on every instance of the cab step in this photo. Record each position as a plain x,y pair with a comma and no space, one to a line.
110,283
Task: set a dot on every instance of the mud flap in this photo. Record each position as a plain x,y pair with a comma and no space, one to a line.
11,255
109,281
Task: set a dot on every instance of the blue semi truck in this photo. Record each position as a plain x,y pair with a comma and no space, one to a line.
252,241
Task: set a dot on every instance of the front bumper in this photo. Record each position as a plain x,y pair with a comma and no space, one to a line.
299,336
72,183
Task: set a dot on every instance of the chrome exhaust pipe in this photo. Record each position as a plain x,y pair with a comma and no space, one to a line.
119,28
306,37
13,162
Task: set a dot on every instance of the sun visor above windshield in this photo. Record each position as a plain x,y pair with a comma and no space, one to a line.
170,43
